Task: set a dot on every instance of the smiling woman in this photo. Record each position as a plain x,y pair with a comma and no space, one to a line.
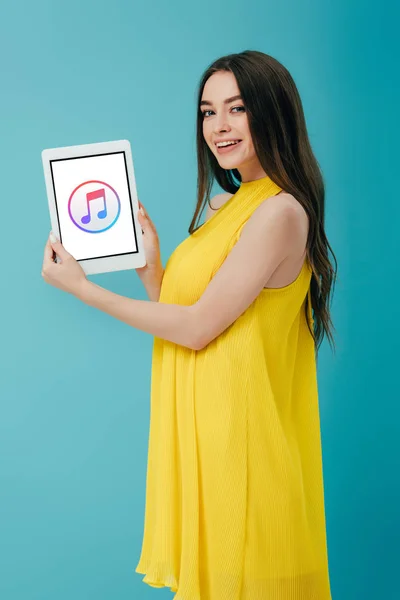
234,489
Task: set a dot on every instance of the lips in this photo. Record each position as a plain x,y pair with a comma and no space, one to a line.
229,148
231,140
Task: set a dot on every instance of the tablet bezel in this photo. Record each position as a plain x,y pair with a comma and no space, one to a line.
91,266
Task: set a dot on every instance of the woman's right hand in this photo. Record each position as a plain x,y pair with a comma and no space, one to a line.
151,245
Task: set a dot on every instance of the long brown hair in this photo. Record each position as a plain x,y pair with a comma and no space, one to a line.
278,129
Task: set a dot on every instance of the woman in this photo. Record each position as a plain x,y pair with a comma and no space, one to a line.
234,492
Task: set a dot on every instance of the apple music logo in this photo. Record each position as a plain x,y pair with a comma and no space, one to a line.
94,206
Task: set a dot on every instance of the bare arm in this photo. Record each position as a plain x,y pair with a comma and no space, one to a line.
266,240
171,322
152,281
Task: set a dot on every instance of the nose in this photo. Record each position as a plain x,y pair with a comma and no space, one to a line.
221,123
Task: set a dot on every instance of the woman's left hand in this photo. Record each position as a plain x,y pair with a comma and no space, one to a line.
67,275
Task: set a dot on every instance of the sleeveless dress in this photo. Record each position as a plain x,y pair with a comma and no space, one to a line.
234,489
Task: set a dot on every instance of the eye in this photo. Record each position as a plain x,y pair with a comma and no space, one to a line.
233,108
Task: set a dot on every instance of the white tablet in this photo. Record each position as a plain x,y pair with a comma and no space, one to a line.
93,205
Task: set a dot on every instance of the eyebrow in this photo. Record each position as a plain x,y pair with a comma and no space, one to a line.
227,101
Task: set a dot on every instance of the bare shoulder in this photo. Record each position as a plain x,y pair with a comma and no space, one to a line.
284,203
216,202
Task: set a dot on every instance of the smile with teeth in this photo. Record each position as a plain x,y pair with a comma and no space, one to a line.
227,143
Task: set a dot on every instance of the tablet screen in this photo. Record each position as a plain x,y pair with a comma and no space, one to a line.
94,211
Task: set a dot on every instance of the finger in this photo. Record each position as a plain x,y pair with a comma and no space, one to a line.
48,254
59,249
142,217
145,223
142,207
141,221
146,219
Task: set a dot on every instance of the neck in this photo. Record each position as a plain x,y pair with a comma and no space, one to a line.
252,174
261,179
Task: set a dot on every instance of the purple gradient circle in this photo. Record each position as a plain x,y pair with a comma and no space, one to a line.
77,188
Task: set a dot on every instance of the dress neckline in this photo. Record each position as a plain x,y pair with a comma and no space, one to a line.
244,194
254,183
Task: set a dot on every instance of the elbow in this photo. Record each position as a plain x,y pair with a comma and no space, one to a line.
198,345
195,329
197,342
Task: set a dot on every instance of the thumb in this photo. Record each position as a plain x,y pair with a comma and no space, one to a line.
145,220
58,247
142,217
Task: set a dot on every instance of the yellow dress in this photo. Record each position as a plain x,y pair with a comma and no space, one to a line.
234,489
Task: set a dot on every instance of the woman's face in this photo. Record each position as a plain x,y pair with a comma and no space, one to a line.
223,120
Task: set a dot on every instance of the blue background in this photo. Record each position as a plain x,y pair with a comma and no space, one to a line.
73,437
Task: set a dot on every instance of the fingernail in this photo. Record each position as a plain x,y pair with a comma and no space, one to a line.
52,237
141,210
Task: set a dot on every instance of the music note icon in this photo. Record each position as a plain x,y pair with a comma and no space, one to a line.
94,196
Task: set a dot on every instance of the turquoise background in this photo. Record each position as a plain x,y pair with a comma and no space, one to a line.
75,383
